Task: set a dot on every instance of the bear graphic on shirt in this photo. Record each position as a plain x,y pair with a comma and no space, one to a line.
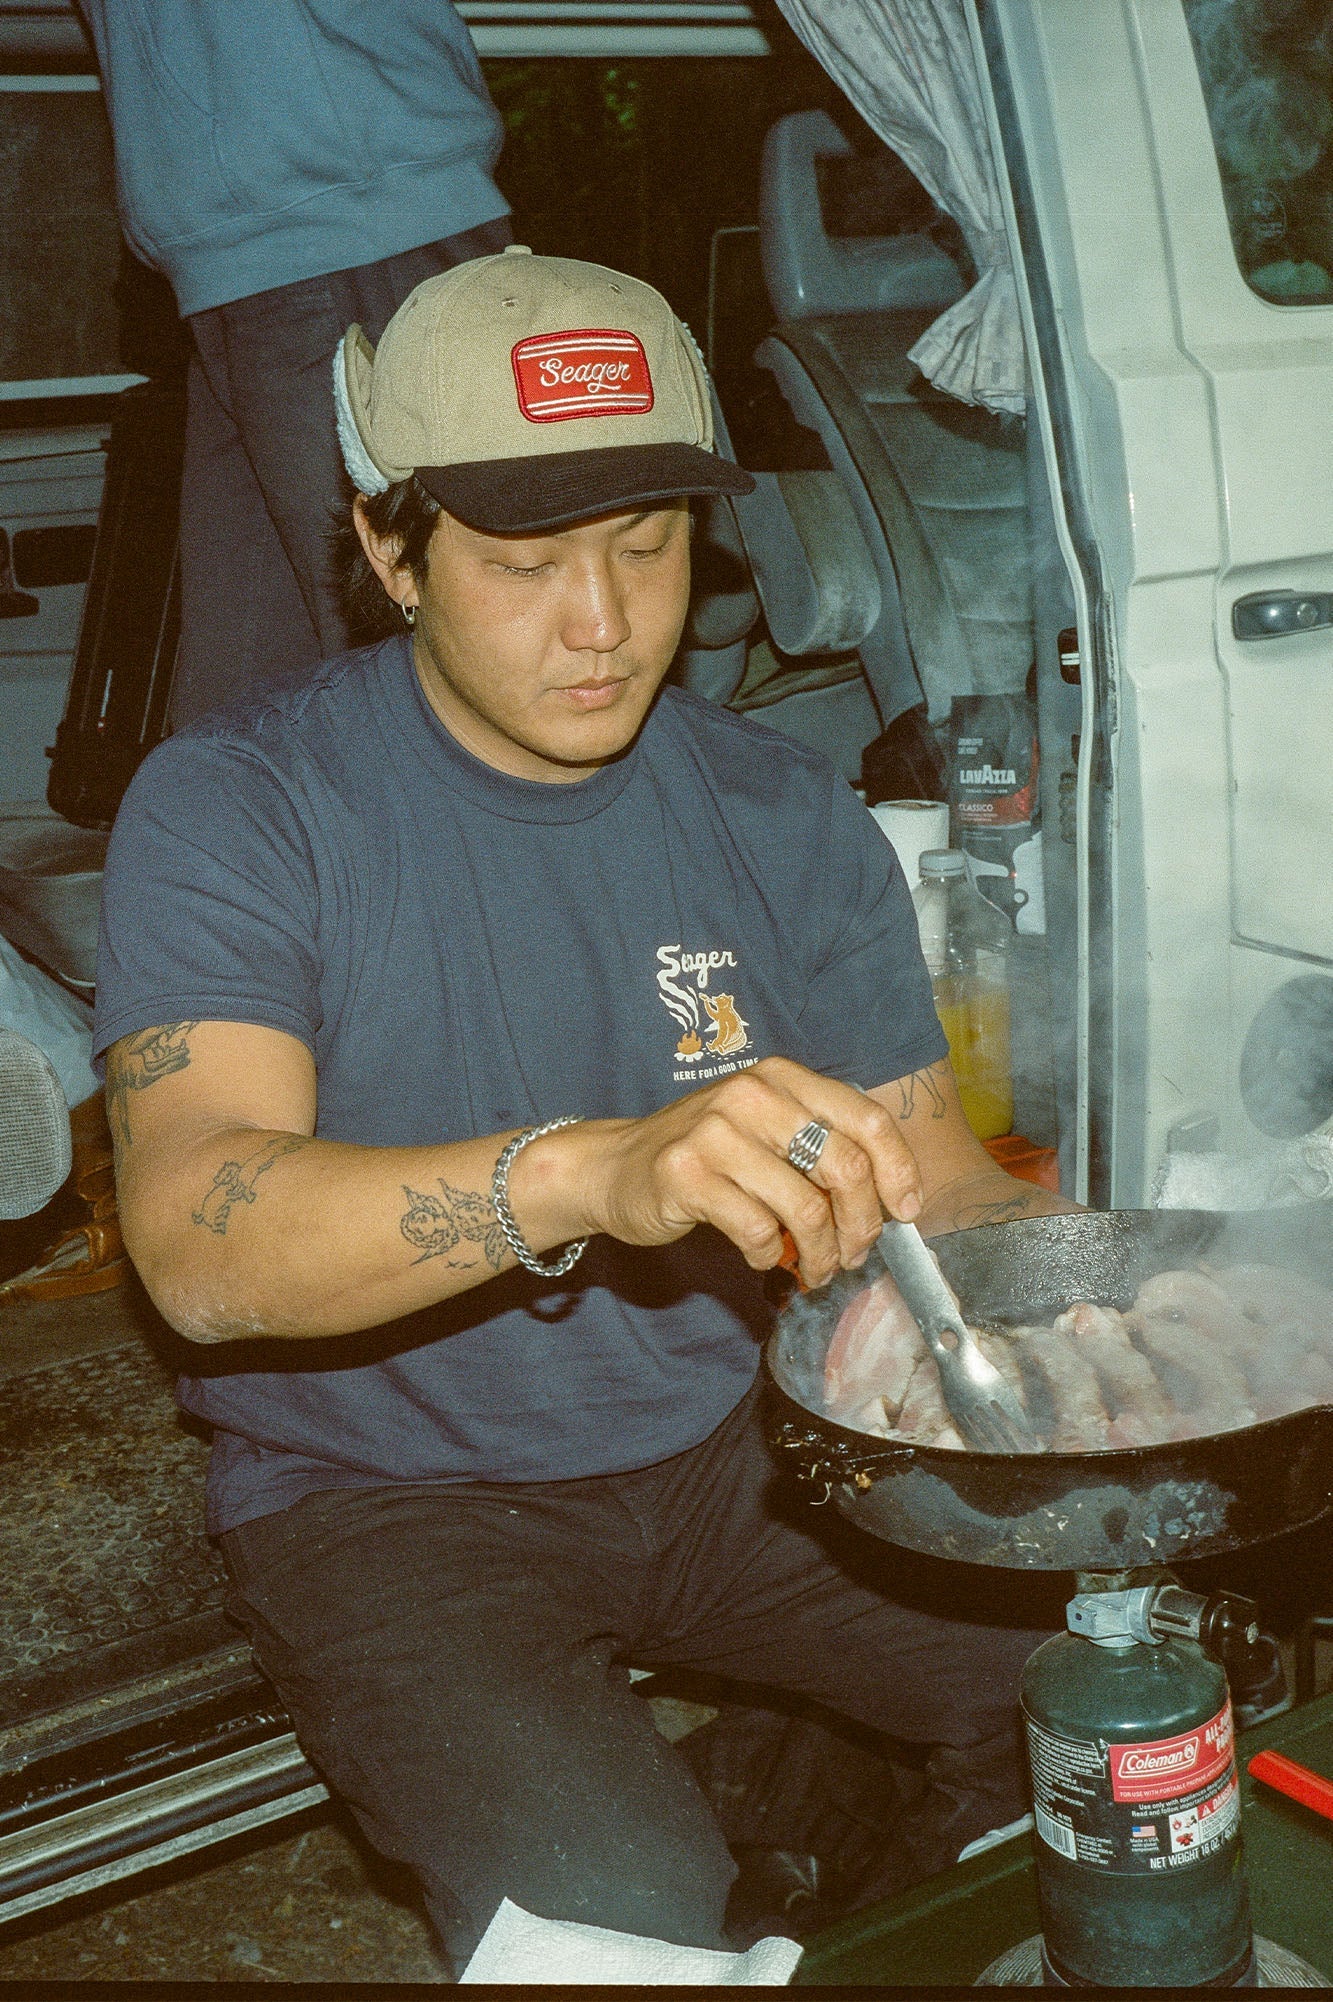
711,1025
729,1032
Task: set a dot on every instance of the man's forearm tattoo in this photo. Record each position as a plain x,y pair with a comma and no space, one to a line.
436,1227
972,1214
235,1181
136,1062
929,1083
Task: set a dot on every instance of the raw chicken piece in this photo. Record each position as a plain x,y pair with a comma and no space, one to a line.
1197,1300
999,1349
1140,1410
1259,1321
1291,1318
1275,1299
924,1418
872,1354
872,1416
1203,1382
1064,1381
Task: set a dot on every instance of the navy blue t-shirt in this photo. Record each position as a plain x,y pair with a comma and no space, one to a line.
465,952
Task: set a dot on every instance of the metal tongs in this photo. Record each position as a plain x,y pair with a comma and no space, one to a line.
985,1408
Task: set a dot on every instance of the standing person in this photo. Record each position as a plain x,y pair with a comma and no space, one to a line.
476,1018
290,166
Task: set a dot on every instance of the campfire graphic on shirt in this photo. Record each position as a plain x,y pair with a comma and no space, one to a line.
711,1025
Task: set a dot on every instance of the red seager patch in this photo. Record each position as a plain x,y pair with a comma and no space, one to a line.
591,373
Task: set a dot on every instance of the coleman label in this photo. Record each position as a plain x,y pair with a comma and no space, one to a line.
1153,1806
1171,1766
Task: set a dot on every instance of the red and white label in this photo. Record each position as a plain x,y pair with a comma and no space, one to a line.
596,372
1166,1768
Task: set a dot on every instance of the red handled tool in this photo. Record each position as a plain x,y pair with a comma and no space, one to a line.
1275,1769
790,1260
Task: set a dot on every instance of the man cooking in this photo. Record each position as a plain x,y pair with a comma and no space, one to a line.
477,1017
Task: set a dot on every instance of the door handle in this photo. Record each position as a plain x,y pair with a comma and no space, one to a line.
1266,615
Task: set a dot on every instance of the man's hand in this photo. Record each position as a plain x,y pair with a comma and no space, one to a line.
719,1156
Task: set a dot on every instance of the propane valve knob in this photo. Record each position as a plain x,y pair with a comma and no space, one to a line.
1229,1628
1113,1619
1224,1625
1175,1614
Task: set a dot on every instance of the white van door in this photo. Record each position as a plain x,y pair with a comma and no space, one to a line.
1187,399
1251,246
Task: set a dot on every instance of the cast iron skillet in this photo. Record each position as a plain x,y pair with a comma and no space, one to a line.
1064,1511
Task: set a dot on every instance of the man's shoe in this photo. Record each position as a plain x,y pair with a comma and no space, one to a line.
776,1891
89,1257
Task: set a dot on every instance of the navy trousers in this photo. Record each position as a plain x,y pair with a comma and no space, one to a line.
263,473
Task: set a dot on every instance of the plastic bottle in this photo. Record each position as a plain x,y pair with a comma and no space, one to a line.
965,941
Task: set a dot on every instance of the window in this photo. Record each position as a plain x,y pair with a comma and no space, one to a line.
1267,73
59,241
635,162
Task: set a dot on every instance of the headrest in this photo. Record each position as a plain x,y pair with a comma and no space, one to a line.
813,571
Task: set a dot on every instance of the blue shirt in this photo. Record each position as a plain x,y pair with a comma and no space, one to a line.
259,142
465,952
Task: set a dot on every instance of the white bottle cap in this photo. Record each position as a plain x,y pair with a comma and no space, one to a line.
943,862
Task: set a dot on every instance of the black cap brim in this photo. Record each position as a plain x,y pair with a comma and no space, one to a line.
552,490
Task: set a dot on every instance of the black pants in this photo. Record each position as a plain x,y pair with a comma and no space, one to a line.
455,1662
263,473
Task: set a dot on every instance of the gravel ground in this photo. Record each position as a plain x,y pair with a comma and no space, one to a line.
314,1905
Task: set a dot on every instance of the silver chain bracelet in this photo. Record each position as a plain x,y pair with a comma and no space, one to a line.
505,1216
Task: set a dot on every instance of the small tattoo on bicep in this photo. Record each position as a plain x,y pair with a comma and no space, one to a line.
438,1227
928,1081
138,1061
235,1181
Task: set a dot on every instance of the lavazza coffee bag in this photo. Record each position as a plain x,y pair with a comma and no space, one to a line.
994,801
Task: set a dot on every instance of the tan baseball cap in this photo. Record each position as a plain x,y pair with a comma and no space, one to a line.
528,392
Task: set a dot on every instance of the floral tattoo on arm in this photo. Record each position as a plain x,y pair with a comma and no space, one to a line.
438,1227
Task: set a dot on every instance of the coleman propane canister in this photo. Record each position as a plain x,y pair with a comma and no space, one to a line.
1135,1798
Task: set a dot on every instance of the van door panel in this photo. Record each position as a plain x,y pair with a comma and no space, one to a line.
1202,422
1268,371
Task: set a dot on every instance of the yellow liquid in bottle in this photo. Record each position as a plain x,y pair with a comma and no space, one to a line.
974,1015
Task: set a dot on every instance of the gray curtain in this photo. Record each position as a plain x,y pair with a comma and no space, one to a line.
909,68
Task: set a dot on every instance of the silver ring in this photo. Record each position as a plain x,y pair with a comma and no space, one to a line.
807,1146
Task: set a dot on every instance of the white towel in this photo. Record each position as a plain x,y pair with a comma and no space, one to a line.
517,1948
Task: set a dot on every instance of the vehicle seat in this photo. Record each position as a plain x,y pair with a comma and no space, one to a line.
939,487
50,889
51,856
794,550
